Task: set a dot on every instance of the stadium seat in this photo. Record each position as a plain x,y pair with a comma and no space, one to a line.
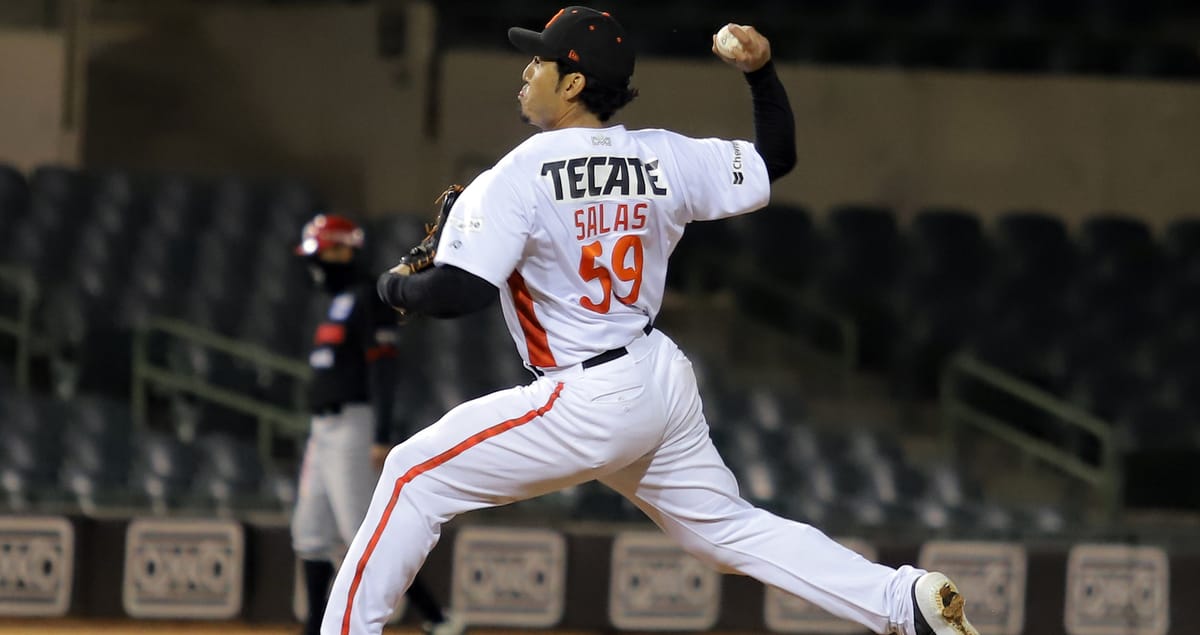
1087,55
163,471
30,450
932,330
1010,54
781,242
59,188
98,452
229,473
1034,259
861,259
1180,291
1116,237
697,264
1165,60
594,501
946,248
175,205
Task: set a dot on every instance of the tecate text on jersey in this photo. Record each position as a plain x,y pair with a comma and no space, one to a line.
596,176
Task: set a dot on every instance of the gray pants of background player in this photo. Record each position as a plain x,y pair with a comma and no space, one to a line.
336,482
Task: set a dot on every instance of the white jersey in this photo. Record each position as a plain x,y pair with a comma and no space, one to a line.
575,227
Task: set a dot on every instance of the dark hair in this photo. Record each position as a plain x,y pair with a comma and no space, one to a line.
600,99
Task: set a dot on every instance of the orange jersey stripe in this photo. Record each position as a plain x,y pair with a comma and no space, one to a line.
424,467
535,335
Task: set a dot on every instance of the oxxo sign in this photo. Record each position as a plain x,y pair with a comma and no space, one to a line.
656,586
510,577
990,575
1117,590
183,568
37,557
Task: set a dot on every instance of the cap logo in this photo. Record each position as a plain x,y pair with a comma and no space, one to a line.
573,56
556,16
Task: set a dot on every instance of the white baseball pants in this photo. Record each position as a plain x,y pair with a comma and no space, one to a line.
636,424
335,477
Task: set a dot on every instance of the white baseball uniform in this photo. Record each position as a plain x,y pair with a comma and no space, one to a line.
575,227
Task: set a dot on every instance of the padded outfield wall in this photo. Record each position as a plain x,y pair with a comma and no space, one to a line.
611,578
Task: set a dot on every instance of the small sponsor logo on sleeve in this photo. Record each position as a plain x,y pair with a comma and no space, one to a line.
738,176
341,307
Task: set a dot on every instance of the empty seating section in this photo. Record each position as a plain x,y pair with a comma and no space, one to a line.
1110,37
1103,314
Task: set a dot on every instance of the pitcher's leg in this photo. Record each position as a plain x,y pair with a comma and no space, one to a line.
487,452
687,490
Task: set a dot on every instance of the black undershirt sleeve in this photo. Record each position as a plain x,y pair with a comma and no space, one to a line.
442,292
379,348
381,375
774,124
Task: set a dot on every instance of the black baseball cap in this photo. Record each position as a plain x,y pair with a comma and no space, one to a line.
591,40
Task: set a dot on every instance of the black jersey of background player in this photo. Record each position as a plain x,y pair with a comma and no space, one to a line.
355,338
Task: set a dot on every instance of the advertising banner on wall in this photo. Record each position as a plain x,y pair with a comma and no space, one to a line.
1117,590
37,563
183,568
990,575
656,586
510,577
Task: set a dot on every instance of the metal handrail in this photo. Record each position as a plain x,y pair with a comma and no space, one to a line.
271,418
1105,478
20,326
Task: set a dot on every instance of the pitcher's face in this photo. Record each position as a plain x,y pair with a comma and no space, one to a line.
544,98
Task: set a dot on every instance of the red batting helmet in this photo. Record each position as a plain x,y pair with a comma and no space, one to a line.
325,231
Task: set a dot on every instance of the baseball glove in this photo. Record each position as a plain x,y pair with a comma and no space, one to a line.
421,257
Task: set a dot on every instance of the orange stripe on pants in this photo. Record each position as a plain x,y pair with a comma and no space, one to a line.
424,467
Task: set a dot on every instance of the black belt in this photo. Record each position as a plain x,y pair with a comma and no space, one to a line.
602,358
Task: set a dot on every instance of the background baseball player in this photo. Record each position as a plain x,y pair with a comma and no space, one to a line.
354,372
574,227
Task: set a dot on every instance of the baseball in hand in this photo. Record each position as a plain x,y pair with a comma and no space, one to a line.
727,42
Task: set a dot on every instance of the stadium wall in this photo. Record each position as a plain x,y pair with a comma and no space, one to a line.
617,578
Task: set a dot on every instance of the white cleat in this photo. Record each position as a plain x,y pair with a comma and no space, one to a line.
453,625
938,607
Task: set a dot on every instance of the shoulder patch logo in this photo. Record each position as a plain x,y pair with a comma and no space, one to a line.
342,306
